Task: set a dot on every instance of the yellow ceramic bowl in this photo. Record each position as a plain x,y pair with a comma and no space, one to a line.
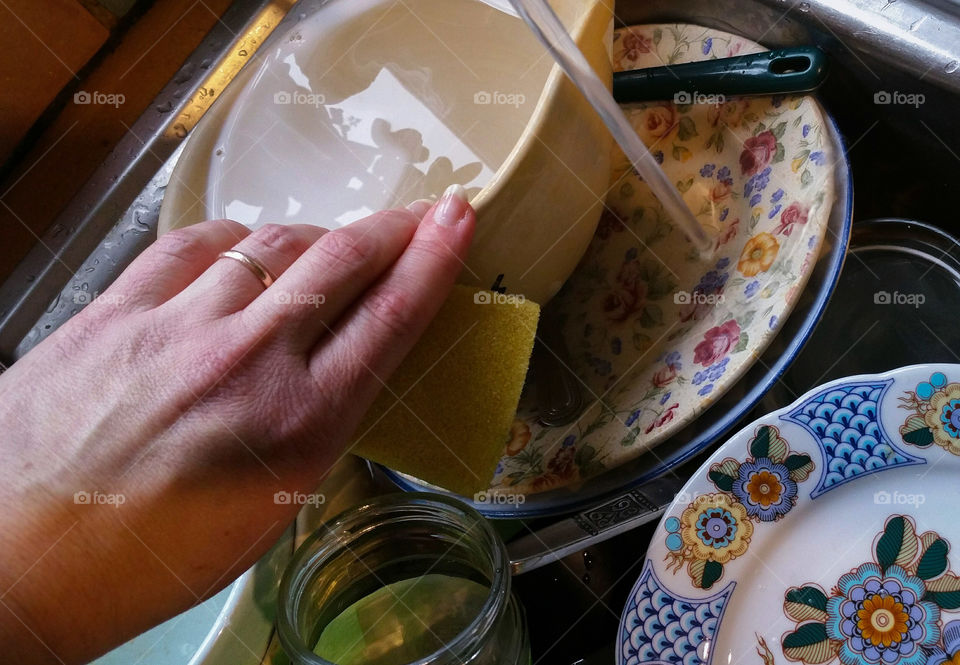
536,213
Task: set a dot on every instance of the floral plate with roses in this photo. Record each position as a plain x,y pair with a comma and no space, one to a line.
655,332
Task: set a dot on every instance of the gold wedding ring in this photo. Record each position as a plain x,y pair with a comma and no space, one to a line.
257,268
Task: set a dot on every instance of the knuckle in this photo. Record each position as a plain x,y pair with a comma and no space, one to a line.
393,309
181,245
343,247
433,252
399,216
278,238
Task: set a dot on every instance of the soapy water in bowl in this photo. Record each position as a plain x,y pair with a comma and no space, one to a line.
371,104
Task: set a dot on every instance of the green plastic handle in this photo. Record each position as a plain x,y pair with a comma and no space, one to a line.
781,71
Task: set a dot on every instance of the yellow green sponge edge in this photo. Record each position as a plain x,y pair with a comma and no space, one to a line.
458,392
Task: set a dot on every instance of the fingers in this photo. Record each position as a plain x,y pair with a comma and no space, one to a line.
379,330
421,207
311,295
169,265
228,285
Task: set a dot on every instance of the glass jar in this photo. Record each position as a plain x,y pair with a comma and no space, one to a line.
402,540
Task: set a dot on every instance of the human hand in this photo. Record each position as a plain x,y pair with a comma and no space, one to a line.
191,395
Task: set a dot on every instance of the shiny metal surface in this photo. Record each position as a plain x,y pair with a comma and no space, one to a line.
115,215
566,536
917,37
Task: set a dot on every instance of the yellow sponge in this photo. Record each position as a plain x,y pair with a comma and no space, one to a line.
458,392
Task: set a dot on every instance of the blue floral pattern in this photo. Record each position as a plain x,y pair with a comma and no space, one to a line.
883,612
765,488
935,414
868,629
716,528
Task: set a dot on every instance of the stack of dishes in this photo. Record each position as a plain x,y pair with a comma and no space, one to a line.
666,344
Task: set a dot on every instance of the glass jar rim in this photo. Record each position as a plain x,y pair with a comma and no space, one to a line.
327,540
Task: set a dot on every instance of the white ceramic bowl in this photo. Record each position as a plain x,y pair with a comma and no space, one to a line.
310,114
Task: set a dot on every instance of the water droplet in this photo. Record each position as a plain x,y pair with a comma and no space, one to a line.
183,75
242,53
165,107
587,560
205,64
140,214
179,130
916,24
586,578
804,7
952,66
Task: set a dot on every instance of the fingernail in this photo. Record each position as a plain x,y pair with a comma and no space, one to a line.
452,205
420,207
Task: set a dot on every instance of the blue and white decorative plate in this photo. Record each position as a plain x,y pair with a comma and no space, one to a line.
821,533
